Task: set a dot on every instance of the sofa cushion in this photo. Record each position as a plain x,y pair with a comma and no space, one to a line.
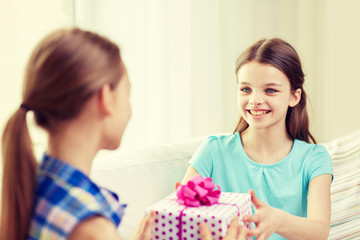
345,189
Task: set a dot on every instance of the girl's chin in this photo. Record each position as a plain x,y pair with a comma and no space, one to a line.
112,145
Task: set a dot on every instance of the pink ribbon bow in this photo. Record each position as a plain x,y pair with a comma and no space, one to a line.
198,191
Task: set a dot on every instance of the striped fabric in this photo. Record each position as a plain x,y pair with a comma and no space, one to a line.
345,189
64,197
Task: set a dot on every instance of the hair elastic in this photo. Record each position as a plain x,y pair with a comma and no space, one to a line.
25,107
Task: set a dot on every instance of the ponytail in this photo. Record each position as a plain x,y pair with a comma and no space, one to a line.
18,183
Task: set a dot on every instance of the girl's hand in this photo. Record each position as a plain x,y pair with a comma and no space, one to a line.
235,231
143,231
265,219
177,184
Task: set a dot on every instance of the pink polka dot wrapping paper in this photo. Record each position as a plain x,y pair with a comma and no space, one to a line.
217,217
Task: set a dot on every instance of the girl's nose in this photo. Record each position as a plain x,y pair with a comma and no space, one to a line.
256,99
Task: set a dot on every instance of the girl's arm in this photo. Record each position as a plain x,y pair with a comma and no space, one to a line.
190,172
316,226
99,228
95,228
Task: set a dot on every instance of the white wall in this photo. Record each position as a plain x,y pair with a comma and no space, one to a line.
23,24
341,65
154,37
181,56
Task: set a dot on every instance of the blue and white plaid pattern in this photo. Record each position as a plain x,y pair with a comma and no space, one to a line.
64,197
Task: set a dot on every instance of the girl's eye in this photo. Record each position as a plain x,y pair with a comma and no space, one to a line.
270,90
245,89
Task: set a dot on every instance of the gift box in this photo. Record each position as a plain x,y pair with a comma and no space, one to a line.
178,217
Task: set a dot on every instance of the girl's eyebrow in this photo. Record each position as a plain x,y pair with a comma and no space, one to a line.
244,83
273,84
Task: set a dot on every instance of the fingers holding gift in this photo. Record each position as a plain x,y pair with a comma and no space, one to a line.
177,184
236,231
265,223
144,228
262,231
148,223
242,232
204,232
233,230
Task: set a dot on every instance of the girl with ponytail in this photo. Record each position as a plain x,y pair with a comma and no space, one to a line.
77,87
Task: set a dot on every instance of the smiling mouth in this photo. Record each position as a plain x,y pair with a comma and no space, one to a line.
258,113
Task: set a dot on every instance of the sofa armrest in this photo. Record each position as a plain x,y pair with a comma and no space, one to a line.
345,189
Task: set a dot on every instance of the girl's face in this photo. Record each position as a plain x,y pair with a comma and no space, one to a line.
264,95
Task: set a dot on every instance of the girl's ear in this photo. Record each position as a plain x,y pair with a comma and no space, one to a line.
295,97
105,100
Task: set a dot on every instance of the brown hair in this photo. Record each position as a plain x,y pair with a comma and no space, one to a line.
65,69
281,55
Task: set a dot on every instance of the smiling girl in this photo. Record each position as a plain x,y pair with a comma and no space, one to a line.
272,152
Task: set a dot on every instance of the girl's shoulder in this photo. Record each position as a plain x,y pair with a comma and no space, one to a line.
314,159
310,151
222,140
309,147
224,137
66,191
221,143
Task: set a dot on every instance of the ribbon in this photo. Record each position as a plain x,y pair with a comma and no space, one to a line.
198,191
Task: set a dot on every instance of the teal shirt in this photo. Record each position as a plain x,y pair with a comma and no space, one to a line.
282,185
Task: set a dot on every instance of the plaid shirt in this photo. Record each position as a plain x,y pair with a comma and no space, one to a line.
64,197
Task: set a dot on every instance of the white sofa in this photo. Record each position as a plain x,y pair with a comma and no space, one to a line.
143,176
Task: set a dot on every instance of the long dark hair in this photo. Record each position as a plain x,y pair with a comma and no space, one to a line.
281,55
65,69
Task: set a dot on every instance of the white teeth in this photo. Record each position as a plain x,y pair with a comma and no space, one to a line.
258,113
